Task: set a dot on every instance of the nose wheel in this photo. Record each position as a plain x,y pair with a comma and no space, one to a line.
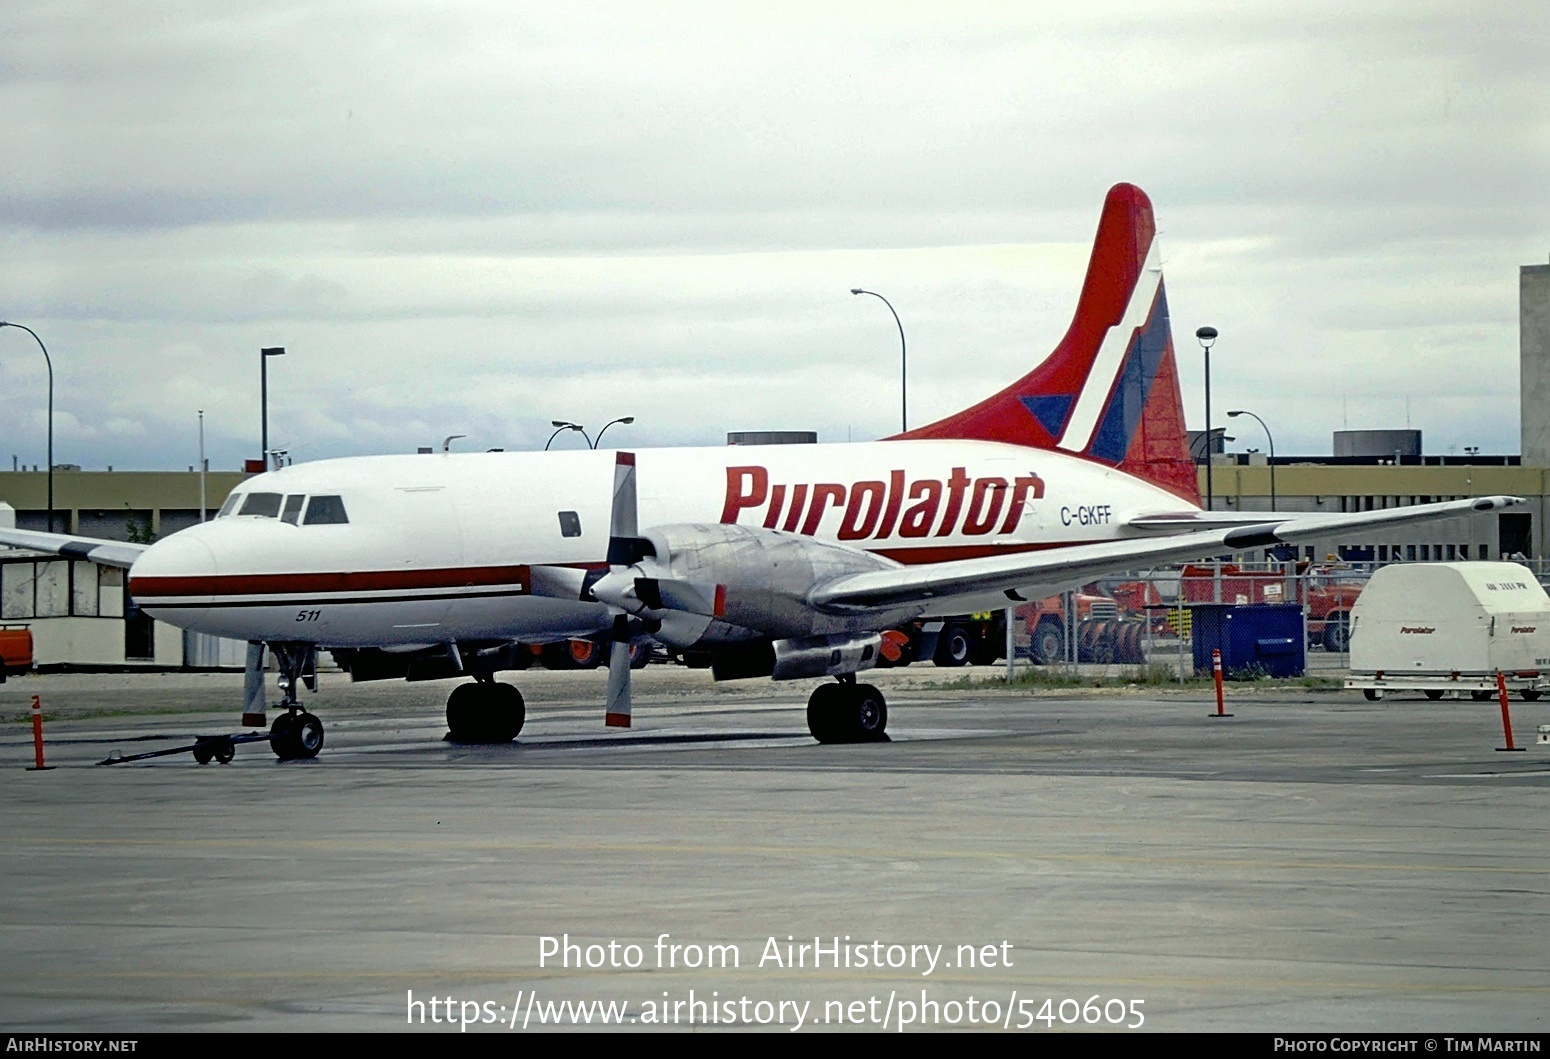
296,736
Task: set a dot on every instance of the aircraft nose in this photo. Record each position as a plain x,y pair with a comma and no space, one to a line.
182,555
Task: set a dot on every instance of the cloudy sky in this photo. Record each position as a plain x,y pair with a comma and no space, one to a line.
477,217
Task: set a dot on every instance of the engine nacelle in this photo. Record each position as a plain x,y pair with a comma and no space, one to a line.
760,580
825,656
814,656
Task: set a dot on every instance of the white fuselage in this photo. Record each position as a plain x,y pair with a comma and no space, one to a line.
449,547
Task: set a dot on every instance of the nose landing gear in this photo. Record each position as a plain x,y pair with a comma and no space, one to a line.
295,734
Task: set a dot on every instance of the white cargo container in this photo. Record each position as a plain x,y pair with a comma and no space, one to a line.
1441,627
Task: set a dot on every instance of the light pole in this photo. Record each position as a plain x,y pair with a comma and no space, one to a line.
1272,440
204,465
904,413
560,427
1206,336
50,363
1199,445
263,395
626,420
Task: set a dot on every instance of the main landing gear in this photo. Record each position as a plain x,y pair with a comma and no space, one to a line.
847,712
295,734
485,711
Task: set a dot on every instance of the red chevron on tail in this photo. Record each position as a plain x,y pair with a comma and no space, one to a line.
1110,390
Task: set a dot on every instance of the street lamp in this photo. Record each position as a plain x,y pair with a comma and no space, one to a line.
561,426
626,420
1206,336
50,363
204,465
263,396
1261,422
1200,446
904,417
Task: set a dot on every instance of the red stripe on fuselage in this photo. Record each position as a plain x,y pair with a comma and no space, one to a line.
148,588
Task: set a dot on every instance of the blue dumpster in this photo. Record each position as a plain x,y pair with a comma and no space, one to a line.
1256,639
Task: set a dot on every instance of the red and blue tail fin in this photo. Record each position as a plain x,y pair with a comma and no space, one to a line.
1110,390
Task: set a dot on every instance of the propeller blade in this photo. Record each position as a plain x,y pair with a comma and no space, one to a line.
618,712
625,544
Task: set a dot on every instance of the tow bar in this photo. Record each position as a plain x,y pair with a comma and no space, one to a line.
205,748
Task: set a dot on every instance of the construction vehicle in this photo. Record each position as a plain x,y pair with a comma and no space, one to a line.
1039,633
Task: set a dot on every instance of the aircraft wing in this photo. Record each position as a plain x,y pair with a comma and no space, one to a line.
885,589
108,553
1180,521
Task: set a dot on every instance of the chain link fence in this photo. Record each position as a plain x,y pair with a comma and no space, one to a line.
1140,624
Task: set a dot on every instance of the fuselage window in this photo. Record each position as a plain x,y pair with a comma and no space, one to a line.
231,503
292,511
570,524
264,505
325,511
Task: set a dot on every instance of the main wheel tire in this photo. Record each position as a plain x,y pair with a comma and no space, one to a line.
1372,694
507,713
847,713
824,713
1529,694
1049,645
868,714
463,709
1434,695
1337,632
954,647
1482,695
485,713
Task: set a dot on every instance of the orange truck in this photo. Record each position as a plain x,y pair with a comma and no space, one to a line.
1103,635
15,650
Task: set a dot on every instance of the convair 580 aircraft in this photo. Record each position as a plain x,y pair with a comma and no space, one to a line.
780,561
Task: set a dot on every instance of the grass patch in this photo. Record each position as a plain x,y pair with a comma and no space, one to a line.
1155,675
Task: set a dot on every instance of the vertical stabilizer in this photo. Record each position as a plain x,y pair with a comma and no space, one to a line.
1110,390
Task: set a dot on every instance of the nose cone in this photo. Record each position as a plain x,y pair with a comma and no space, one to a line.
179,565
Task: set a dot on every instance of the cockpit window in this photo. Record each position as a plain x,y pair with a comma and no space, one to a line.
292,511
226,508
264,505
325,511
